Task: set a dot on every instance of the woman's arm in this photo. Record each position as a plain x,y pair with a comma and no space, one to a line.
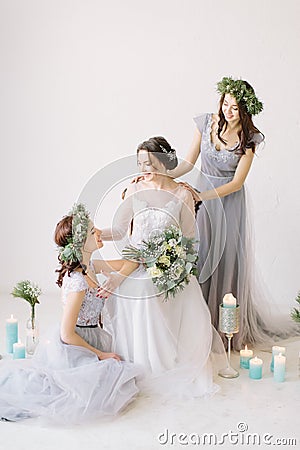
190,160
68,324
122,218
124,269
187,216
110,265
234,185
123,266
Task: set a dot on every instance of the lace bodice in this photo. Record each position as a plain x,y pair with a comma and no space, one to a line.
91,306
146,210
148,220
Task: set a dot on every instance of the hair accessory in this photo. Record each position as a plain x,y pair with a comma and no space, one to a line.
72,252
242,94
171,155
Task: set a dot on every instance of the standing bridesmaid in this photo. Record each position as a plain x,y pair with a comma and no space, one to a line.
226,143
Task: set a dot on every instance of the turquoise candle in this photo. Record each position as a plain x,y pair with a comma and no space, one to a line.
18,350
255,368
245,356
275,351
11,333
279,368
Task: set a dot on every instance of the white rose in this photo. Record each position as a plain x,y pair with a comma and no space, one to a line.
172,242
164,259
154,272
180,252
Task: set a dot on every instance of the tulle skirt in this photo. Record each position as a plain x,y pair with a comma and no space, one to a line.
66,383
226,264
172,340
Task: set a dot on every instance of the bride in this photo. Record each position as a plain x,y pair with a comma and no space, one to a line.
172,340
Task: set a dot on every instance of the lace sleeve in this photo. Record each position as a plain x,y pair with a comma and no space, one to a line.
74,283
187,215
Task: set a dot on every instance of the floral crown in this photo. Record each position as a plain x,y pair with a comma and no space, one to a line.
72,251
239,90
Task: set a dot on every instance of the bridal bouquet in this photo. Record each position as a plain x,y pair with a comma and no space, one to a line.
169,258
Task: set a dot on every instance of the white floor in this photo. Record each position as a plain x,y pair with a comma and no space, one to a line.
259,412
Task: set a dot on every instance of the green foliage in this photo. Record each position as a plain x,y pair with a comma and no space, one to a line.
242,94
295,313
27,290
169,258
72,252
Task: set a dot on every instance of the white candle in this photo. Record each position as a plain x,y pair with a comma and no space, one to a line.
255,368
245,356
275,351
11,333
279,367
229,301
18,350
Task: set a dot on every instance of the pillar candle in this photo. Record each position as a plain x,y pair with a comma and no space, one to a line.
255,368
229,301
245,356
279,367
18,350
275,351
11,333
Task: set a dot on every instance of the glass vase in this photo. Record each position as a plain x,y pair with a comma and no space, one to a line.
32,335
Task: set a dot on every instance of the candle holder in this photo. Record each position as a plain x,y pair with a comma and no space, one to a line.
229,322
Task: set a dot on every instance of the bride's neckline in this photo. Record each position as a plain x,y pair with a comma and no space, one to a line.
153,188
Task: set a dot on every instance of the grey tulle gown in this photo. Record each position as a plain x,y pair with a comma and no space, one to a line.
68,383
225,263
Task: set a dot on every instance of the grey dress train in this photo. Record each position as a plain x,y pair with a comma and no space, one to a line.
68,383
225,261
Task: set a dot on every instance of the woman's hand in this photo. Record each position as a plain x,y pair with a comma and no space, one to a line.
137,179
114,279
107,355
196,194
134,180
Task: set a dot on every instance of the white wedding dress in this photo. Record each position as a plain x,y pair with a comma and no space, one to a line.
172,340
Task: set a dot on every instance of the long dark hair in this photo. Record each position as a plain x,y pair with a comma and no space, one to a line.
163,151
248,129
62,235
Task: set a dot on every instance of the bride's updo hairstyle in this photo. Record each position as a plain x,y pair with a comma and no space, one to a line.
161,149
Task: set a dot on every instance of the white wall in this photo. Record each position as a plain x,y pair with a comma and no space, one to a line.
83,82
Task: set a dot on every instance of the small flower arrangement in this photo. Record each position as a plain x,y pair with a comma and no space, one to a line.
169,258
30,292
295,313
